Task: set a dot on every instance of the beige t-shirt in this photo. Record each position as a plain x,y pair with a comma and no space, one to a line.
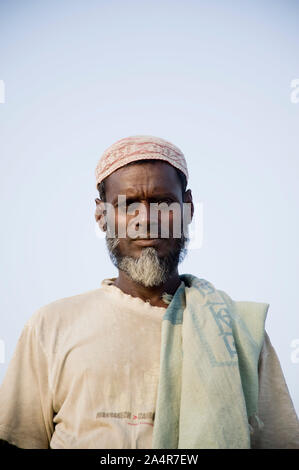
85,372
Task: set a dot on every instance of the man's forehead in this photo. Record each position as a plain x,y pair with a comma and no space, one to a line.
139,191
145,170
154,191
159,177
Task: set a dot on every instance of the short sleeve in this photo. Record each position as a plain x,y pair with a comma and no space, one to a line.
280,429
26,412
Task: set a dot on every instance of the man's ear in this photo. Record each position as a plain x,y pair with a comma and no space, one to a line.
188,198
100,214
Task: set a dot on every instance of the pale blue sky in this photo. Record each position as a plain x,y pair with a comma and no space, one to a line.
214,78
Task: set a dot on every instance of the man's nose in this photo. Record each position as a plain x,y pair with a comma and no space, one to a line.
147,223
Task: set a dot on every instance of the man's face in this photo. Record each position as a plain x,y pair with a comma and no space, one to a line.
149,261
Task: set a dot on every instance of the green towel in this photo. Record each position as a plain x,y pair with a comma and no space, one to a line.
208,382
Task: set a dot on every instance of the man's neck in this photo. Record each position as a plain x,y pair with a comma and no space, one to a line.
151,294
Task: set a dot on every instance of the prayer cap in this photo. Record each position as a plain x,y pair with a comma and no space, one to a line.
139,147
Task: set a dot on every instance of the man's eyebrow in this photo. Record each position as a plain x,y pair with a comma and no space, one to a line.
135,196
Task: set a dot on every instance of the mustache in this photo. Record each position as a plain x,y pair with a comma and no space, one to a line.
174,257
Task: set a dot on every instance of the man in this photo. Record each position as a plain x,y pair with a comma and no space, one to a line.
151,359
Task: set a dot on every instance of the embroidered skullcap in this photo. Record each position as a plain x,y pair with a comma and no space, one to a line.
139,147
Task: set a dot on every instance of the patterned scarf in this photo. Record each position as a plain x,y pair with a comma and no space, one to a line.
208,384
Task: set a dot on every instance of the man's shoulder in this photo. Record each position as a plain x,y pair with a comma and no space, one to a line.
67,309
251,308
248,317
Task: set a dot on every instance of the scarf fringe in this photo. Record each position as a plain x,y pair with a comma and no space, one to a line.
167,298
258,421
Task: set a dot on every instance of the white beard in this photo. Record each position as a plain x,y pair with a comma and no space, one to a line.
148,270
145,270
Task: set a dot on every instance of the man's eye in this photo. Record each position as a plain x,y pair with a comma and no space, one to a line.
167,201
128,202
131,201
163,201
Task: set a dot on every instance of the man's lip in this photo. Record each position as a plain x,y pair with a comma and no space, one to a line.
147,241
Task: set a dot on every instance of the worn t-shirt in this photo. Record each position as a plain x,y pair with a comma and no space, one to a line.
85,373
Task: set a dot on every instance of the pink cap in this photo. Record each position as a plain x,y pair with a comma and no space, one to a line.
139,147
